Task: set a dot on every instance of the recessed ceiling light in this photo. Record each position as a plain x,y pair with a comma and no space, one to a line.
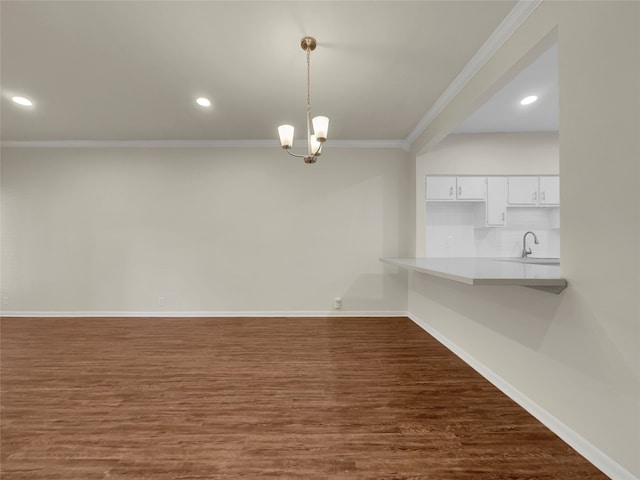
528,100
22,101
203,102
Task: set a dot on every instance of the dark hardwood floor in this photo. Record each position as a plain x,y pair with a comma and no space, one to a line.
236,398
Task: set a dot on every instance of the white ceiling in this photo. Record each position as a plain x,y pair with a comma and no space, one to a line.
131,70
503,112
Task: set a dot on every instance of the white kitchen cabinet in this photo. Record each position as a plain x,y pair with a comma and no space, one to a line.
455,188
496,214
440,188
549,191
471,188
522,190
534,191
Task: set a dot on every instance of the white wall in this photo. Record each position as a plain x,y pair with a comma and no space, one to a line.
576,355
209,230
530,153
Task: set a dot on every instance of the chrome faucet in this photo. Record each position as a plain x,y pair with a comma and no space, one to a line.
527,251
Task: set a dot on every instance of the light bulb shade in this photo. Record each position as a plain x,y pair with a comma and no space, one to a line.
321,128
316,146
286,136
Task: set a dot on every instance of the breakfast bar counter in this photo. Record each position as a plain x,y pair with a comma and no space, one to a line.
542,273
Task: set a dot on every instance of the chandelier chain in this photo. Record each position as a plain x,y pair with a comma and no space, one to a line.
309,101
309,79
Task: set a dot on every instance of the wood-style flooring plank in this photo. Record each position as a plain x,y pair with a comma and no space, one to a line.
229,398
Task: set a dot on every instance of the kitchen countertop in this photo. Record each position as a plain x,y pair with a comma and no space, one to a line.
488,271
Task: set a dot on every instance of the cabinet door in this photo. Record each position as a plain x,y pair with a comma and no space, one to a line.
471,188
549,191
523,190
440,188
496,201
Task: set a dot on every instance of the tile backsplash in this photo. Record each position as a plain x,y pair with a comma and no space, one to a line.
452,231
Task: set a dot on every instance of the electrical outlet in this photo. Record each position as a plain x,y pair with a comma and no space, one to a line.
337,303
161,301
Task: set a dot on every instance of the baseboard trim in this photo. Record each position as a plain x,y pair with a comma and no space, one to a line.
202,314
581,445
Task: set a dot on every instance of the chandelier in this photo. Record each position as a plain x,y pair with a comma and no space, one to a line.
320,124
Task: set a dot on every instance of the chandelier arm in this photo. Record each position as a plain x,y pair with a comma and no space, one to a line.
317,152
295,155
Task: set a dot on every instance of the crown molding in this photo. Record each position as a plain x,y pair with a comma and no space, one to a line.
501,34
140,143
402,144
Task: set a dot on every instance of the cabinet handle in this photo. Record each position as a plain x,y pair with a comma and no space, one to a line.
459,191
542,196
535,196
503,216
451,191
